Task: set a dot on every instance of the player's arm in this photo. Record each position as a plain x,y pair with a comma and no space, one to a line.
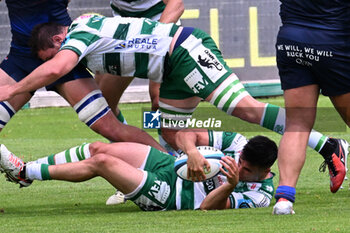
172,11
187,140
153,89
47,73
219,197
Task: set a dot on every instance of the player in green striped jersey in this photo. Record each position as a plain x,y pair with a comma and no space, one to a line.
184,60
148,177
165,11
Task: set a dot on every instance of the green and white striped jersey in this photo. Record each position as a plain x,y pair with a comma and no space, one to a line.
190,195
137,8
129,47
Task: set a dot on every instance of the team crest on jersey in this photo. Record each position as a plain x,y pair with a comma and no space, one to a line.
209,60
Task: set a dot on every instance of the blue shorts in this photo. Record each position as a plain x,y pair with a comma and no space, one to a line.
18,65
308,56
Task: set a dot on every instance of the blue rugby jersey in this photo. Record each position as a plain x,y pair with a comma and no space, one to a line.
25,14
331,15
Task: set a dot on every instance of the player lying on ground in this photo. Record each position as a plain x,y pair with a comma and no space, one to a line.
185,60
147,176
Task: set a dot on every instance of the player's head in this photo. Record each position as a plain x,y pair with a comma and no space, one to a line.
46,39
256,159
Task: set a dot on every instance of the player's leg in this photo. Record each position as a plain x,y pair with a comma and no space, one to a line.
341,103
113,87
13,69
237,102
9,108
87,150
119,173
301,106
138,182
92,108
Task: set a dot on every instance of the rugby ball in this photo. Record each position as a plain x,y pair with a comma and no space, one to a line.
211,154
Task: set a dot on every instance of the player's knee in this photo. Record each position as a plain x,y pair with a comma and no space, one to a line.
101,161
6,112
95,148
92,107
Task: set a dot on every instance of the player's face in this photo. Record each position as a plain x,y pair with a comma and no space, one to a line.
248,172
48,53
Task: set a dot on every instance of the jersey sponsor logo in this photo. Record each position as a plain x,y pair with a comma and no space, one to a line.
160,191
195,81
139,43
209,60
151,120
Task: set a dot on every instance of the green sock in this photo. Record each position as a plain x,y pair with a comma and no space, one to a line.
74,154
274,119
36,171
121,118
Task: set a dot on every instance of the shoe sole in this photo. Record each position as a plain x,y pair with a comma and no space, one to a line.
345,145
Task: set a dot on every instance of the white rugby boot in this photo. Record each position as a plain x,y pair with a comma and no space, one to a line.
12,166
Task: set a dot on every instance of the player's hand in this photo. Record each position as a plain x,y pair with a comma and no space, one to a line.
232,171
195,166
6,92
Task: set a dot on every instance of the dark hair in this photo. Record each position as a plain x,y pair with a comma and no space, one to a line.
41,36
260,151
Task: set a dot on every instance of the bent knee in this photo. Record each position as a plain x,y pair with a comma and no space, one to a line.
95,148
102,160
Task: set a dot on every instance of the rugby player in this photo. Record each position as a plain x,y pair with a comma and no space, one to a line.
147,176
319,32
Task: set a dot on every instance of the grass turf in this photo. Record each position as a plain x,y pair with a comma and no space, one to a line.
56,206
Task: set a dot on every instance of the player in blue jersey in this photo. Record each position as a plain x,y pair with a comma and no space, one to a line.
147,176
313,55
77,87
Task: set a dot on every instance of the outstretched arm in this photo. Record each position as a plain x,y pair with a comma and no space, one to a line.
172,11
63,62
218,198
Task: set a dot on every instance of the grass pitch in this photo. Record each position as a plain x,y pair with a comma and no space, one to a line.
56,206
